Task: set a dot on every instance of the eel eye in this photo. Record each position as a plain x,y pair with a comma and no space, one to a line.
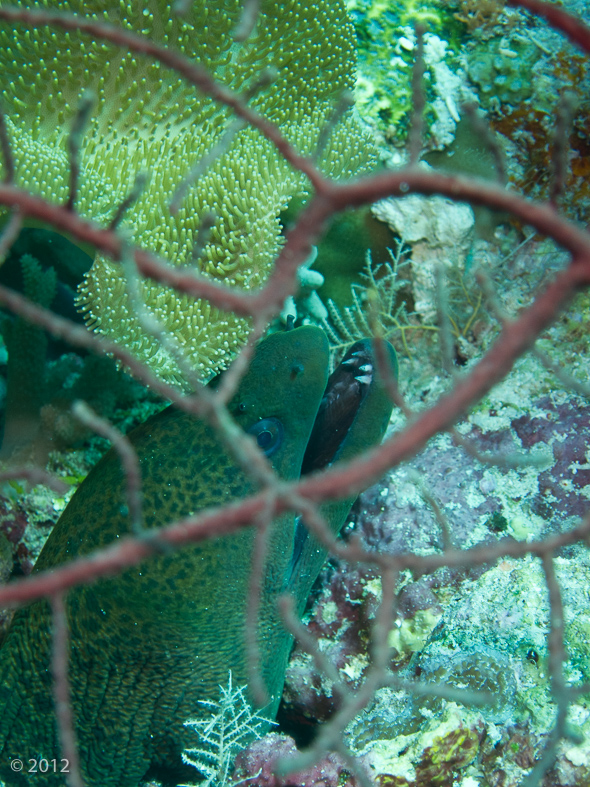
268,433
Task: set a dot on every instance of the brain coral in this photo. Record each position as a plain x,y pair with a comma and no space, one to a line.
147,118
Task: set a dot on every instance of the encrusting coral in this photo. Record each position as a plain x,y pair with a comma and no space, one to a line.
146,118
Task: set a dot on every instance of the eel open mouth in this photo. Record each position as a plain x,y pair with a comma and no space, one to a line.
345,391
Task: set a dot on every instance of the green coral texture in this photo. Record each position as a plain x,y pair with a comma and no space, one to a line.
146,118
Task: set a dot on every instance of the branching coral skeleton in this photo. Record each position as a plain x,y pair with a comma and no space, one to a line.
517,336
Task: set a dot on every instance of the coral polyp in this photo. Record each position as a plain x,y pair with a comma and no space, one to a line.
148,119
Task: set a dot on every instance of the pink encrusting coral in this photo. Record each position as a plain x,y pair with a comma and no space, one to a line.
258,764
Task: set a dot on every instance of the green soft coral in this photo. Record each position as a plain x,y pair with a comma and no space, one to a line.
147,118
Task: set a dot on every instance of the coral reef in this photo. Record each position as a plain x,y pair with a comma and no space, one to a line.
521,74
478,630
386,41
484,54
483,18
445,746
466,683
491,638
147,119
503,71
440,235
258,763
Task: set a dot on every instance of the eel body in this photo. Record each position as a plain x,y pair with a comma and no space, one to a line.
148,645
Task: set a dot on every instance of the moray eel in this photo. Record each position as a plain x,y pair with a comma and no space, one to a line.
148,645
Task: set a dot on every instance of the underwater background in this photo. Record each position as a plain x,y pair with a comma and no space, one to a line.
467,691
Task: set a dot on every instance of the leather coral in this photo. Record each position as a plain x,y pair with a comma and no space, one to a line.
147,119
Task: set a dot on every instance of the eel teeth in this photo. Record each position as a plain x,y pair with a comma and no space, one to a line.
365,378
366,367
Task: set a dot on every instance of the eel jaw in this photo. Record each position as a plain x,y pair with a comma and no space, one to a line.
345,391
